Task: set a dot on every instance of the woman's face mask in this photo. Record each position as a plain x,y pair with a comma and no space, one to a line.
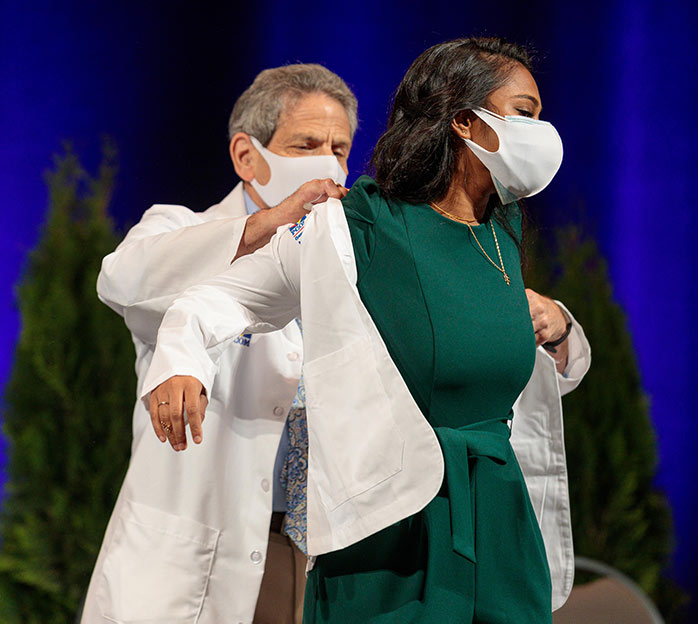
288,173
529,154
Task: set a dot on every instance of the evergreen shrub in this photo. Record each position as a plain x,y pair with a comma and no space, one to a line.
618,516
67,407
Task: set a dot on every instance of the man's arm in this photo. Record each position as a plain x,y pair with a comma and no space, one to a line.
258,293
172,248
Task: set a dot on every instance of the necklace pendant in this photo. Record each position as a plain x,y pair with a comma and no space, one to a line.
507,279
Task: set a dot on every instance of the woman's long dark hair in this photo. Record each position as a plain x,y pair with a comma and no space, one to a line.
416,157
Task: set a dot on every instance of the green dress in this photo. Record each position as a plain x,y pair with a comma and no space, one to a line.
464,344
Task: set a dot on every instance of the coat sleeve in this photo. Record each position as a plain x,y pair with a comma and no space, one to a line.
537,437
257,293
579,359
170,249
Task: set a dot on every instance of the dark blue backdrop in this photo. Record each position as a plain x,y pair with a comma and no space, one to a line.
617,79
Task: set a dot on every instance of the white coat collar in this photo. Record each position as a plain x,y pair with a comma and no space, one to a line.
232,205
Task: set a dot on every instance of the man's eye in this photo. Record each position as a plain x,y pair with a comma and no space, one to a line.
339,153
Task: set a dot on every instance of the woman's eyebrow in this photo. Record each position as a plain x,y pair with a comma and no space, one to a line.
525,96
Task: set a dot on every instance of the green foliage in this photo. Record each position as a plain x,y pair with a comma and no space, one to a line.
618,517
66,407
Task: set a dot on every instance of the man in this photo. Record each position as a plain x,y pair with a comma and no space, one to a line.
193,534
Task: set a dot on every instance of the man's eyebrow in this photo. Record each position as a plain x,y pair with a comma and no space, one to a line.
525,96
316,139
305,137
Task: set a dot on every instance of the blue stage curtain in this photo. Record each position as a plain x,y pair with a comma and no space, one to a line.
617,79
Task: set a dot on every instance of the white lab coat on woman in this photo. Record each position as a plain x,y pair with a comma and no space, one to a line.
373,457
188,536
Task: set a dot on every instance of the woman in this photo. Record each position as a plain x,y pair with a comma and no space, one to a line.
416,503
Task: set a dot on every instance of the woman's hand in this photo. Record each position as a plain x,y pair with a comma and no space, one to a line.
167,404
549,325
549,322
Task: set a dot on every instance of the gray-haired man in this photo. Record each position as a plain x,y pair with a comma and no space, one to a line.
193,534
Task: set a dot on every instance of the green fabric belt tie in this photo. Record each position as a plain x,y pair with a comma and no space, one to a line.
461,447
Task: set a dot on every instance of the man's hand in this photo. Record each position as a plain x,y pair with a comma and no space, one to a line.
167,404
314,192
549,322
262,225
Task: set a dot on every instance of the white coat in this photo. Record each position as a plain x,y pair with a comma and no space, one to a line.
188,536
373,458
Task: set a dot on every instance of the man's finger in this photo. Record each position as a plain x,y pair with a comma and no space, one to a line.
332,189
162,410
179,437
154,418
203,404
165,422
192,400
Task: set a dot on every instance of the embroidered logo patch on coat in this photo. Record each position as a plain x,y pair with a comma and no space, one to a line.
297,229
243,339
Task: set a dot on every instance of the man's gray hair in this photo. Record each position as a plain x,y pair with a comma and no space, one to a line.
257,110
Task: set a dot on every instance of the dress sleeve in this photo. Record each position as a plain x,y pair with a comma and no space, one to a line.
362,208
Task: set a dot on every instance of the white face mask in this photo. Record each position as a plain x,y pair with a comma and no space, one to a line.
529,154
288,173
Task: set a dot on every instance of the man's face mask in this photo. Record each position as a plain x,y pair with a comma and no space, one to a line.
529,154
288,173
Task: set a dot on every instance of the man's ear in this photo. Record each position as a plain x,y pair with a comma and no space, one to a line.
243,153
462,124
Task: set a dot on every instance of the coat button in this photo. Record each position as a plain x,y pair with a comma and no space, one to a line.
293,356
278,411
256,556
265,485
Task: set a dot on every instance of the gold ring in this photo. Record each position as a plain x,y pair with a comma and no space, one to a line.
166,426
163,403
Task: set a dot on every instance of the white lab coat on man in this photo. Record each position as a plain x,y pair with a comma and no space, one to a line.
188,536
373,458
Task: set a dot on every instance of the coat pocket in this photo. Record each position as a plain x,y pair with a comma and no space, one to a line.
354,443
156,568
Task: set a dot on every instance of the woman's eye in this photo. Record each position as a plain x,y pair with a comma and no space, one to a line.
524,113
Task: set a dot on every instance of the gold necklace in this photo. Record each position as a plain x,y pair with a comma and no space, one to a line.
452,216
467,222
